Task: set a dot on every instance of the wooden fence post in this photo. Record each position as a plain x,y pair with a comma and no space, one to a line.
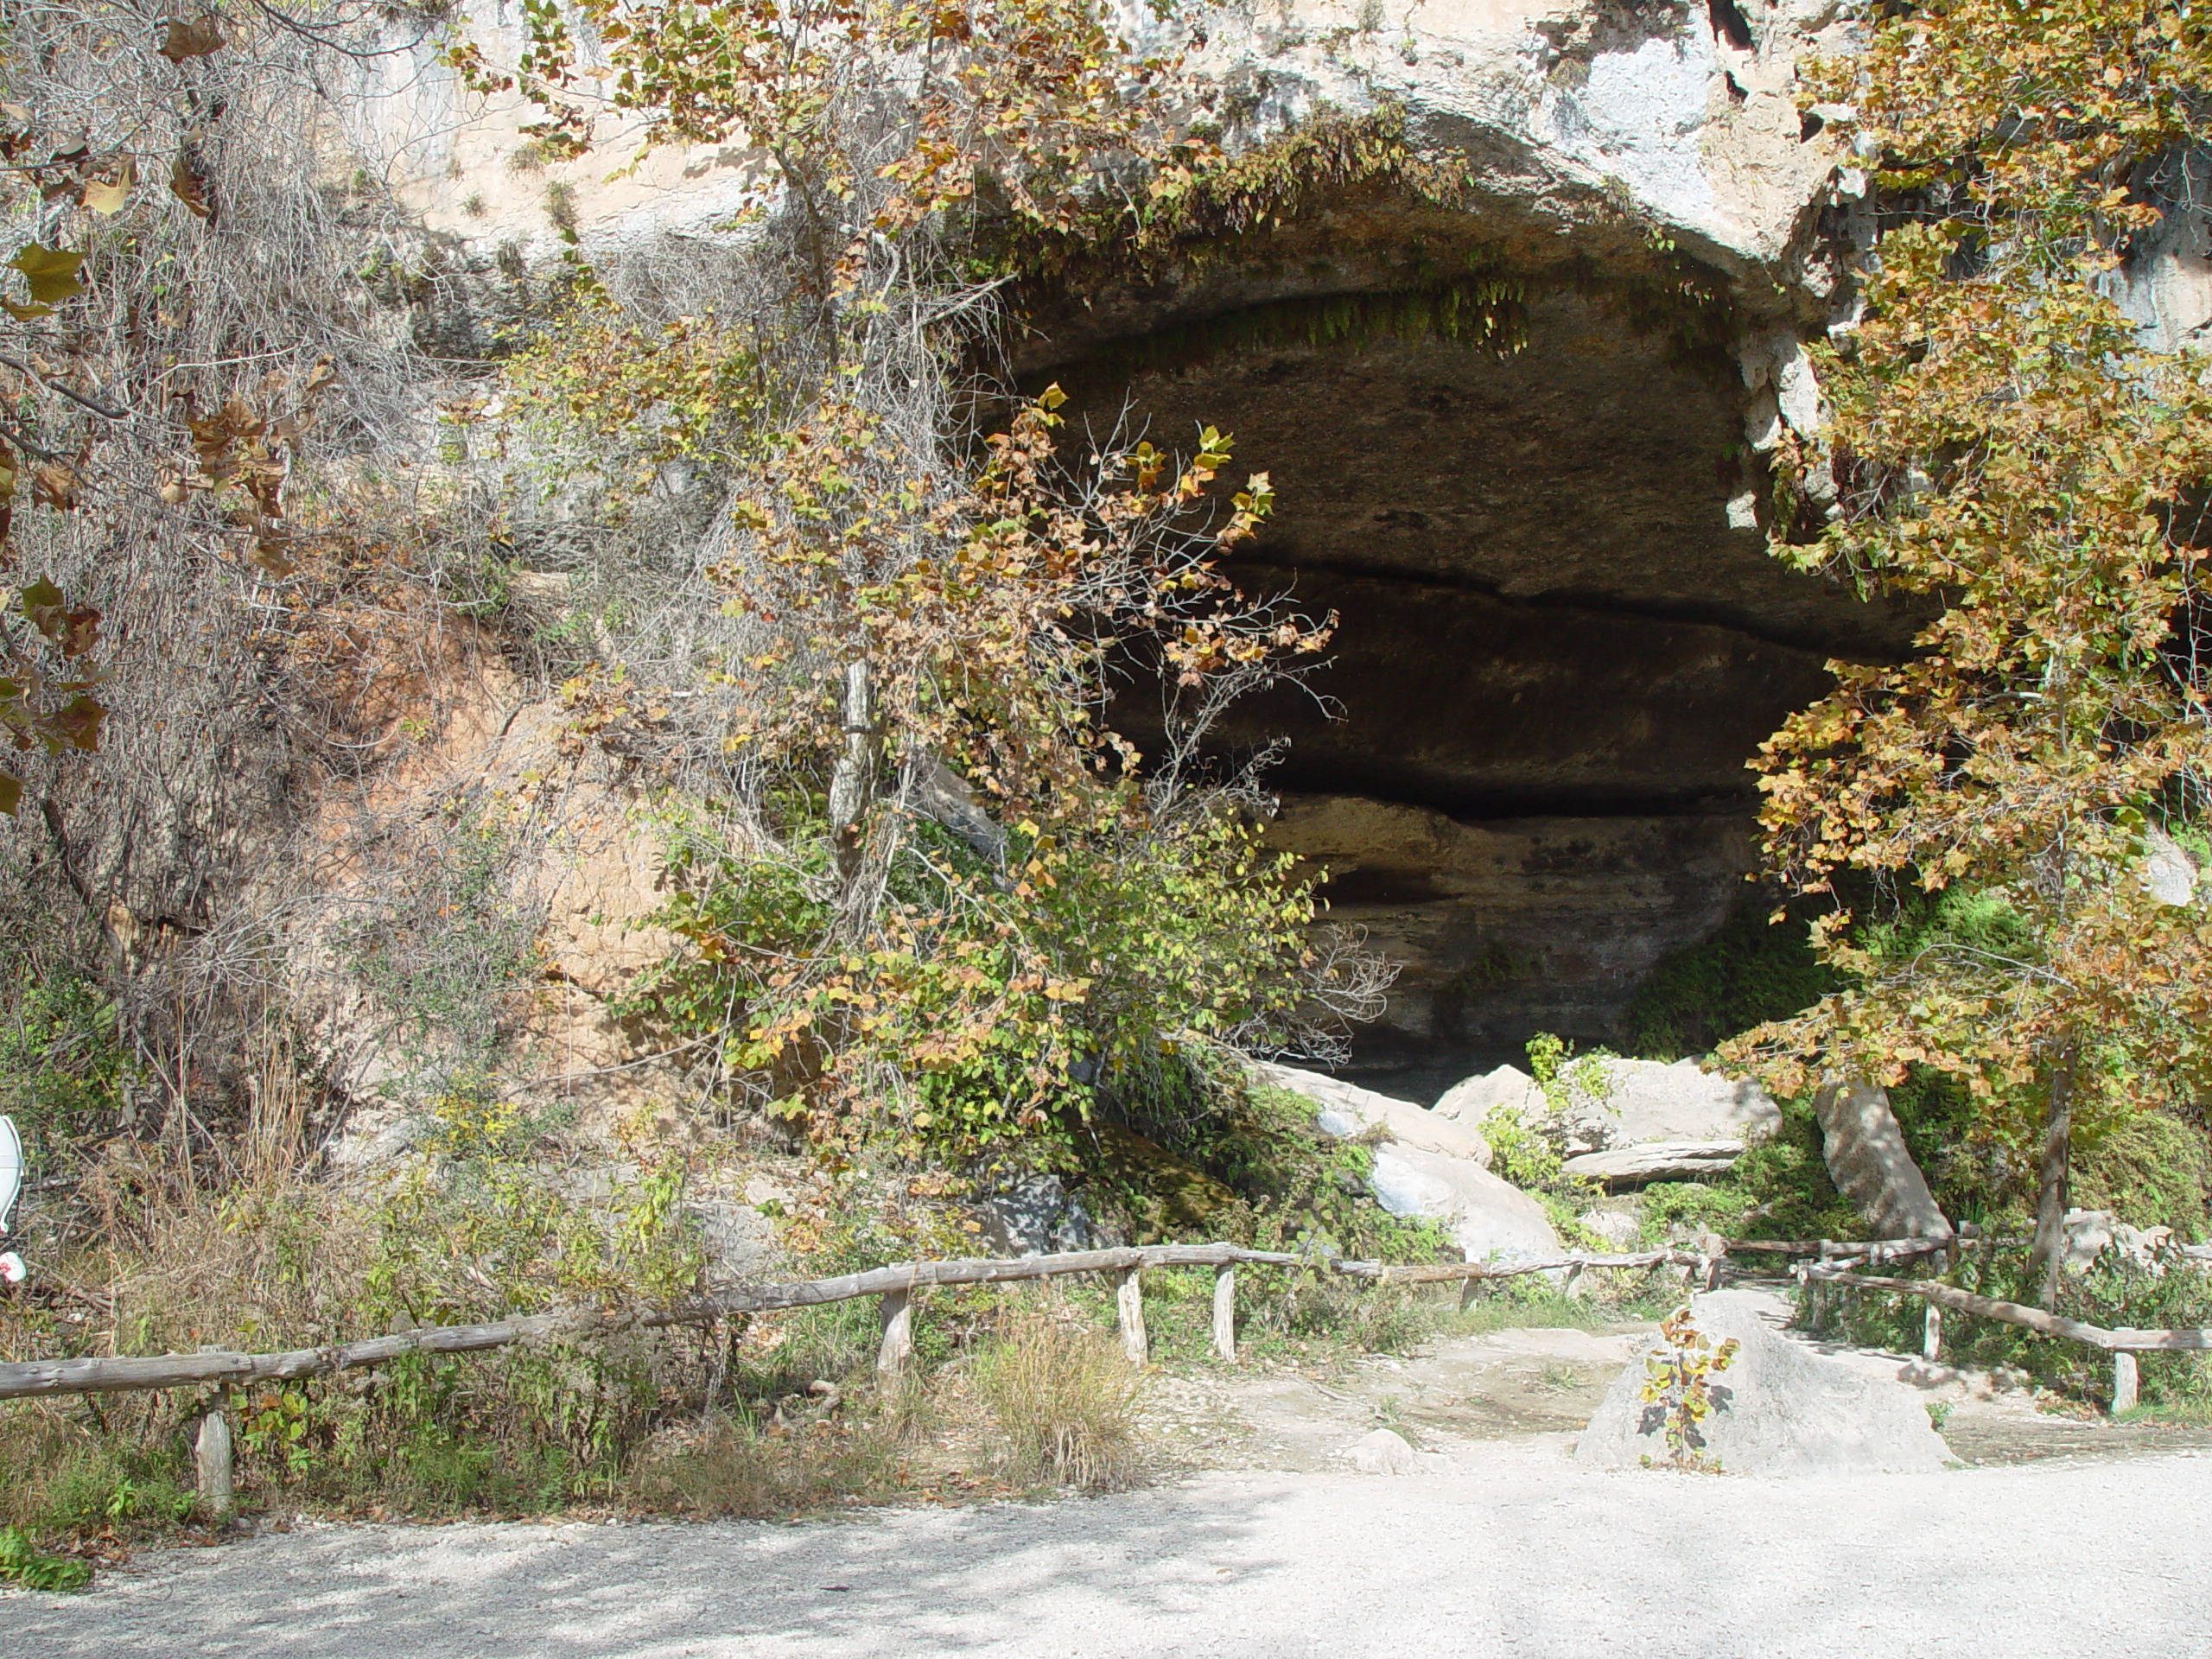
2123,1381
1224,1312
211,1458
898,1333
1128,1313
1467,1288
1931,1332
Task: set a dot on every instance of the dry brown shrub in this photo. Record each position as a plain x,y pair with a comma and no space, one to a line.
731,1468
1064,1400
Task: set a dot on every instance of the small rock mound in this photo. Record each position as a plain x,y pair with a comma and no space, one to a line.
1382,1452
1787,1409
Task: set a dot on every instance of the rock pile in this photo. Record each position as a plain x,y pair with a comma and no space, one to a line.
1429,1165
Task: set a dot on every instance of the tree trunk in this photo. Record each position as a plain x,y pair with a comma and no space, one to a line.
2048,1250
852,785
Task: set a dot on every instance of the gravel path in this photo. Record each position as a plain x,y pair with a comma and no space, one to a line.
1513,1551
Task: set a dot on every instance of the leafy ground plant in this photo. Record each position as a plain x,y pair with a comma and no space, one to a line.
26,1566
1679,1393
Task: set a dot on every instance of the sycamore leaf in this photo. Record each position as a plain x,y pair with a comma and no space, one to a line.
11,792
49,273
186,185
75,631
27,313
54,486
109,198
190,39
268,551
78,725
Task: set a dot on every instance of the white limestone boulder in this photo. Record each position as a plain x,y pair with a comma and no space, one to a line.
2090,1233
1650,1102
1786,1409
1657,1160
1473,1099
1645,1121
1346,1108
1641,1101
1431,1167
1489,1218
1382,1452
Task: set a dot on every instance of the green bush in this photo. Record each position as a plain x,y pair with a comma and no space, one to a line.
1785,1180
27,1568
1672,1209
1007,1012
62,1057
2150,1171
1747,973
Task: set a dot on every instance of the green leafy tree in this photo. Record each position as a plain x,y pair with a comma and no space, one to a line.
952,905
2004,442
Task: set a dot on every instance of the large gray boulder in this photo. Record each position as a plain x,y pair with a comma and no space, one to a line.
1489,1218
1638,1103
1650,1102
1346,1108
2090,1233
1644,1121
1428,1166
1473,1099
1869,1163
1787,1411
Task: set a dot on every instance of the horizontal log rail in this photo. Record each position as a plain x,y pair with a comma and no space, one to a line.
2126,1337
895,1285
2123,1343
895,1288
1826,1249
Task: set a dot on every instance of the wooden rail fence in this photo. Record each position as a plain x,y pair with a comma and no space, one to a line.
895,1286
2123,1343
1822,1262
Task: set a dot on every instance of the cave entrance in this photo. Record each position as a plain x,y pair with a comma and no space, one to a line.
1561,637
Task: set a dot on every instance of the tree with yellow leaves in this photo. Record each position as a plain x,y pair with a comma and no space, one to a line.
2004,442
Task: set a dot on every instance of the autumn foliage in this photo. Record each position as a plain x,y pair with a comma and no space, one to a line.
2005,442
946,904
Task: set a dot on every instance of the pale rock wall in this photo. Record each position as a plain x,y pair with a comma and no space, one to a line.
1650,109
1507,927
1583,478
587,863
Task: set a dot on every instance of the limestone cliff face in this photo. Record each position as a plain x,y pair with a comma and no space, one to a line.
1508,927
1561,634
1679,112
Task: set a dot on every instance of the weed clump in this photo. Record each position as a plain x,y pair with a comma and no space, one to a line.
1063,1401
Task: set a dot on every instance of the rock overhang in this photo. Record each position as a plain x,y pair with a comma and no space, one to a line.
1518,442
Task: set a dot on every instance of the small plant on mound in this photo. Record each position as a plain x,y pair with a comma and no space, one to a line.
1065,1401
1679,1393
1564,1076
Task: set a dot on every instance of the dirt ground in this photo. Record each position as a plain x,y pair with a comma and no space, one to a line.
1462,1392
